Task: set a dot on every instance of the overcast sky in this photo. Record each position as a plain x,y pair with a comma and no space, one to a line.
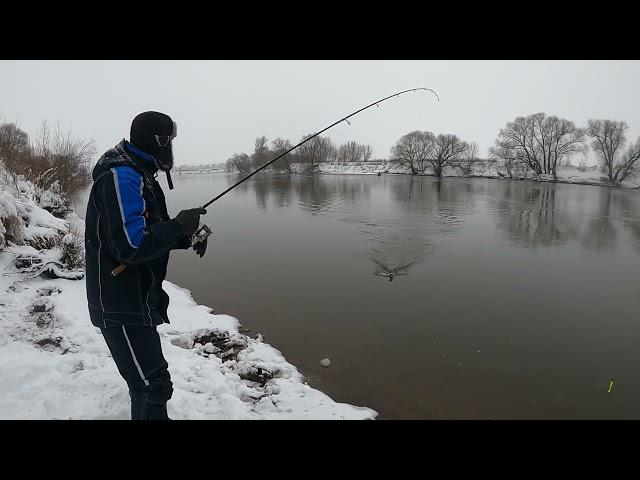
222,106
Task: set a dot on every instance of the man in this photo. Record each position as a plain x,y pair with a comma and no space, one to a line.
128,237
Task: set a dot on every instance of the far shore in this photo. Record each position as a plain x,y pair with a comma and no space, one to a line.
482,169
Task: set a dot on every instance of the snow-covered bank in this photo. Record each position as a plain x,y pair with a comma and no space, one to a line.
55,365
197,171
590,175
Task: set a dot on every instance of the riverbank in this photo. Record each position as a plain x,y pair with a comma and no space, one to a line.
56,366
590,175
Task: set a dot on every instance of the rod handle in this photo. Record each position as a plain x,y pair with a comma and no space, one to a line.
118,269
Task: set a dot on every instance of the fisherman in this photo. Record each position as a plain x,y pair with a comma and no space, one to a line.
128,237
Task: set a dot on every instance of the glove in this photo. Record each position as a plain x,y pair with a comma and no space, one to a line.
183,242
201,247
189,220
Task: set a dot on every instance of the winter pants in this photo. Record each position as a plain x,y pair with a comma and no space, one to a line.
138,356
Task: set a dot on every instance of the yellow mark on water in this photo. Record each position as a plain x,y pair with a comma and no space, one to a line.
610,386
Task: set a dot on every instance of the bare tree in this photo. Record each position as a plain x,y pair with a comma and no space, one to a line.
317,150
413,149
448,150
240,162
628,165
354,152
58,159
14,148
349,152
512,146
514,159
366,152
279,147
261,152
472,152
468,158
608,141
538,141
564,139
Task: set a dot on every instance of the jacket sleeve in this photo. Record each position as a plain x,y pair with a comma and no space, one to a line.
121,210
183,243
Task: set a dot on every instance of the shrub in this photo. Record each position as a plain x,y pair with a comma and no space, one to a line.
54,162
10,222
72,249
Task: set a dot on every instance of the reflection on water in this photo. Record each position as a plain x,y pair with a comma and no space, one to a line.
517,299
311,193
601,231
532,216
547,215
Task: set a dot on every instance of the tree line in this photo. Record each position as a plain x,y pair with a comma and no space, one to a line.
317,150
538,144
419,150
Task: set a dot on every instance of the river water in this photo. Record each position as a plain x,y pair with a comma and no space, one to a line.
451,299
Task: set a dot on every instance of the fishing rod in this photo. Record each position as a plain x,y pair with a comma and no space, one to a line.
204,231
345,119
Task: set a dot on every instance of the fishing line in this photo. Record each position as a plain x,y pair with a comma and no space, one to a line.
345,119
204,231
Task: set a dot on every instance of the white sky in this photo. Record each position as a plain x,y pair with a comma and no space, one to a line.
222,106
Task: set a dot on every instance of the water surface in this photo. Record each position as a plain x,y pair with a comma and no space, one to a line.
507,300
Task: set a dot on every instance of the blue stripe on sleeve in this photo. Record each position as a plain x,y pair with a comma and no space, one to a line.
129,185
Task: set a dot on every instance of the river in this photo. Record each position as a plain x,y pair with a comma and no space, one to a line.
433,299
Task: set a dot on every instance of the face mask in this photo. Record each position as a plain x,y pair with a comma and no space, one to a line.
162,150
153,132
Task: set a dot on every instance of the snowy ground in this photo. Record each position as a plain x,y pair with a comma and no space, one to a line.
55,365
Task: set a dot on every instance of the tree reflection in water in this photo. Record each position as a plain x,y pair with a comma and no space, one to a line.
401,217
532,216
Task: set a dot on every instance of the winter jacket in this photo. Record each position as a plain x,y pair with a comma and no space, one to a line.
127,223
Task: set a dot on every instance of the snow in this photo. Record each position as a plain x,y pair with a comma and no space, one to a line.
8,207
362,168
55,364
587,174
72,377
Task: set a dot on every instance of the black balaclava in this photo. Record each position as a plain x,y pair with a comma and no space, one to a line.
145,130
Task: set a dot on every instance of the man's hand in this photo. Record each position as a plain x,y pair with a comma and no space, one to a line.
189,220
201,247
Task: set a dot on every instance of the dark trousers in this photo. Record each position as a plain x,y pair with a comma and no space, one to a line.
138,356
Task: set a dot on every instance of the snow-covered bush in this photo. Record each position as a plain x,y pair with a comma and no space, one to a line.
24,221
10,222
72,250
305,168
50,197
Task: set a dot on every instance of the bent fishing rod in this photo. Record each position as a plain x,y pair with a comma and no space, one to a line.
345,119
204,231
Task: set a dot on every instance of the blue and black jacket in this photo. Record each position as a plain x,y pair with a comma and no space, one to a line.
127,223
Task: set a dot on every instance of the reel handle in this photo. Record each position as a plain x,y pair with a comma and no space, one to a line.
201,234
